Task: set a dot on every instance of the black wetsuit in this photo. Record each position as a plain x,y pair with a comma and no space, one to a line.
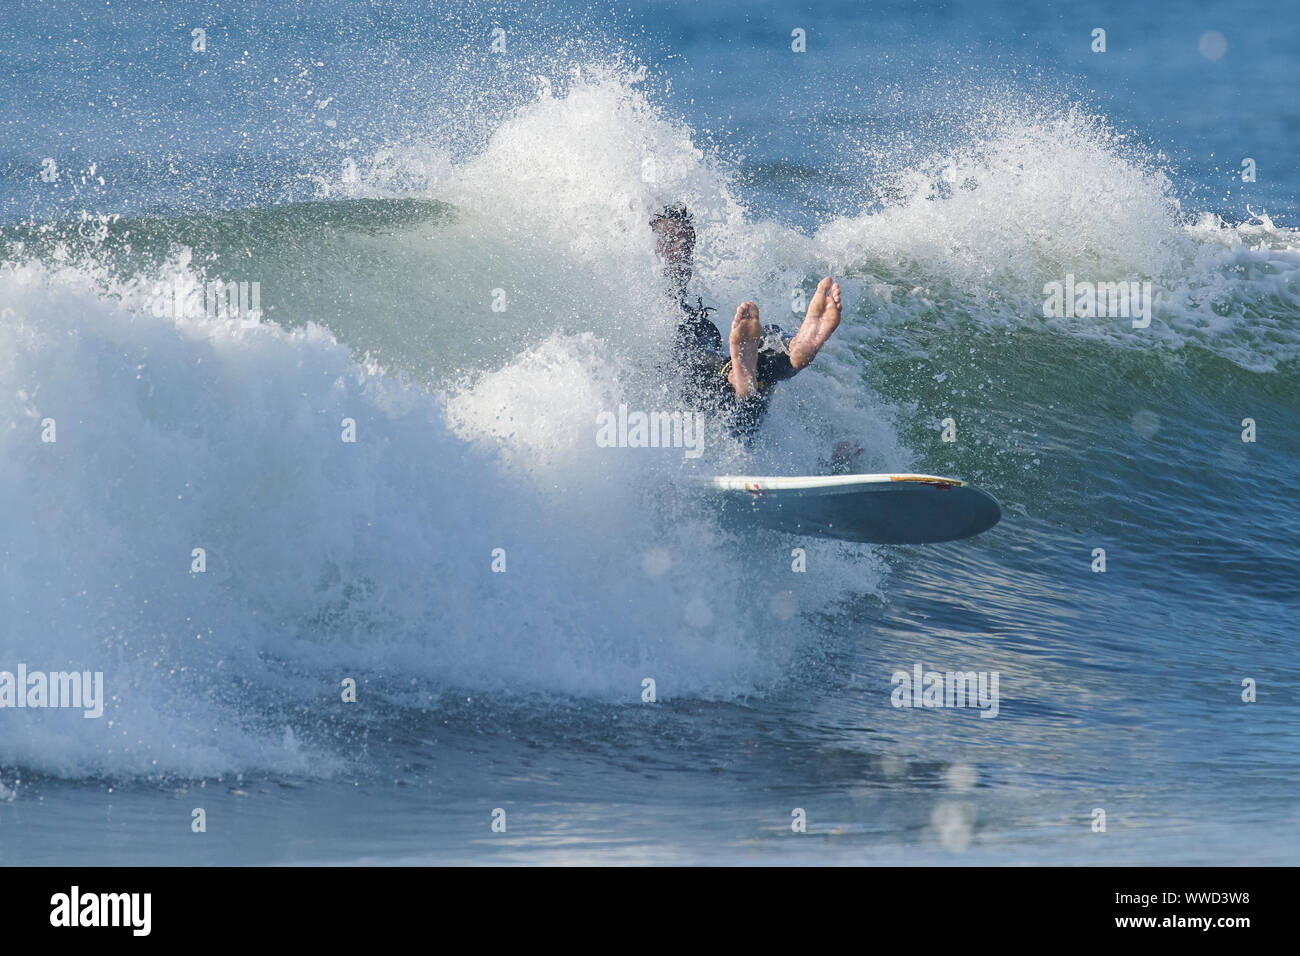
705,361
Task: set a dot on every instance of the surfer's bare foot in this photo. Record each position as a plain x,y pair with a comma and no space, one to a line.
746,334
822,319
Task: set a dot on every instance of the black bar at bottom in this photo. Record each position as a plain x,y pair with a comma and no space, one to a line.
316,905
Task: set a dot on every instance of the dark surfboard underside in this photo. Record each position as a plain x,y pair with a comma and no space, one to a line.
888,513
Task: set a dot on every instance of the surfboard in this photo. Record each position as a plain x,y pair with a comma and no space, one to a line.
878,509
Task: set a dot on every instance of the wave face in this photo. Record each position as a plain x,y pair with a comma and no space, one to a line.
178,429
466,296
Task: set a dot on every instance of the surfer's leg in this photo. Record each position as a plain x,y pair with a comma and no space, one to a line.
822,319
746,334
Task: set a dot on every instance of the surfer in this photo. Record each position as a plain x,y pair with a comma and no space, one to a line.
736,381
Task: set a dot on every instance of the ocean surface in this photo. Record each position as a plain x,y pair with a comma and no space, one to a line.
440,211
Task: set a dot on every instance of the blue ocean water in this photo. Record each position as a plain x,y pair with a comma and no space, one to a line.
443,211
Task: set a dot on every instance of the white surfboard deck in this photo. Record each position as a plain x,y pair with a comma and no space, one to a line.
878,509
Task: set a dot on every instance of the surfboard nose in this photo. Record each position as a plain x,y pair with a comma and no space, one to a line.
939,513
985,512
